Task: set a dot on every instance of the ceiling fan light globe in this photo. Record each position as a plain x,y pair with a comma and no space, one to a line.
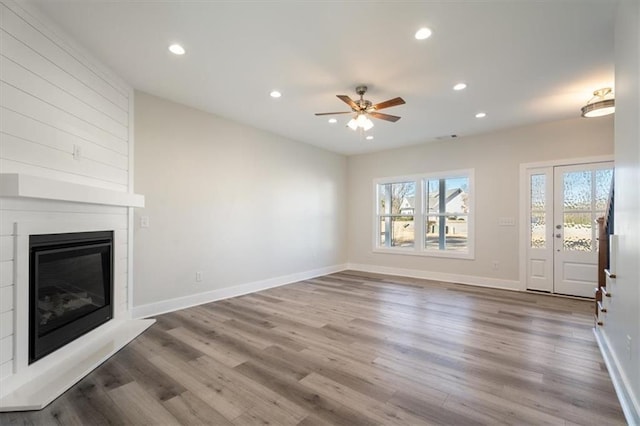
361,120
352,124
367,125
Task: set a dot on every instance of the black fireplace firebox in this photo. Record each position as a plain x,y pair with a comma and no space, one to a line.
70,288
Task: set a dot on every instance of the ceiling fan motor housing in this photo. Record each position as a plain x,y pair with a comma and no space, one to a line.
364,104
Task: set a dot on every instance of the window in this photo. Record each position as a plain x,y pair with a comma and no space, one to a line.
426,215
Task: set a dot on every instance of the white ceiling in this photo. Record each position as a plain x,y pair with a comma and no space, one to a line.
524,61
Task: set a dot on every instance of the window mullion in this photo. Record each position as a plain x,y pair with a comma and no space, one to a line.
442,207
387,220
418,216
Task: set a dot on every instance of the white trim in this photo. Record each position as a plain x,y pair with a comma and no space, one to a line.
157,308
409,251
439,276
568,162
26,186
628,400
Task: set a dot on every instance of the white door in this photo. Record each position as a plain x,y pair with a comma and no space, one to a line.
564,203
540,236
581,194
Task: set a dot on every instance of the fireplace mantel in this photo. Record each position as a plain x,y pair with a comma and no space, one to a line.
28,186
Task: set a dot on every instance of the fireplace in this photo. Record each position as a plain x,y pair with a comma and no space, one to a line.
70,288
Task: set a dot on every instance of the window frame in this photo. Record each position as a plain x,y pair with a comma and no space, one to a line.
421,215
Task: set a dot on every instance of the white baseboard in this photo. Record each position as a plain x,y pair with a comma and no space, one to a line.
628,400
439,276
157,308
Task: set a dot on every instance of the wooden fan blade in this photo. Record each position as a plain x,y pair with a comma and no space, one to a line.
334,113
389,103
386,117
347,100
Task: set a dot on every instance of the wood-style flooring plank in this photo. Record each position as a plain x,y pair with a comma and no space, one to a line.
353,348
140,407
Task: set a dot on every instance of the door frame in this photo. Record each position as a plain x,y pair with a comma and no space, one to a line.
523,211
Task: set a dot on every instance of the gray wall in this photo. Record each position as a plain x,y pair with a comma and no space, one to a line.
238,204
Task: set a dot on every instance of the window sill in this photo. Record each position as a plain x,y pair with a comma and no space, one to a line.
425,253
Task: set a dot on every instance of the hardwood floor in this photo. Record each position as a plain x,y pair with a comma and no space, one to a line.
350,349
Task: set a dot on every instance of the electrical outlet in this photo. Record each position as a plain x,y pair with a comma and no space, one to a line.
628,346
198,276
495,265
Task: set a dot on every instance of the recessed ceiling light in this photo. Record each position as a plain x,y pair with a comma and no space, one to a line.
423,34
460,86
333,120
176,49
275,94
481,115
369,138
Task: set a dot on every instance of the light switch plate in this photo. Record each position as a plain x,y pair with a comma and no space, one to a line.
506,221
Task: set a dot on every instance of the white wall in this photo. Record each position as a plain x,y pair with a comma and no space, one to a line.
496,158
53,97
623,317
238,204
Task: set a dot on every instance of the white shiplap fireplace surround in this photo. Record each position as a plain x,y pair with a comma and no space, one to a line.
33,386
66,163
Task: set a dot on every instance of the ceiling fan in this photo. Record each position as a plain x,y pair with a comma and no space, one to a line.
364,108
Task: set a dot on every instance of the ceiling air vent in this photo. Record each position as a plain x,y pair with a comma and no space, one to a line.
446,137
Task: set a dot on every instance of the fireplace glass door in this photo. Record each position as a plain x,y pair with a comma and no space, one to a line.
70,288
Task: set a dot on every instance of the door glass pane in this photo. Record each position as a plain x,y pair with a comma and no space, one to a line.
538,211
603,186
538,192
577,190
538,230
578,232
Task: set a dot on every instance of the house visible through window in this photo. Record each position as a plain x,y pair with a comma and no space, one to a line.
447,205
426,214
